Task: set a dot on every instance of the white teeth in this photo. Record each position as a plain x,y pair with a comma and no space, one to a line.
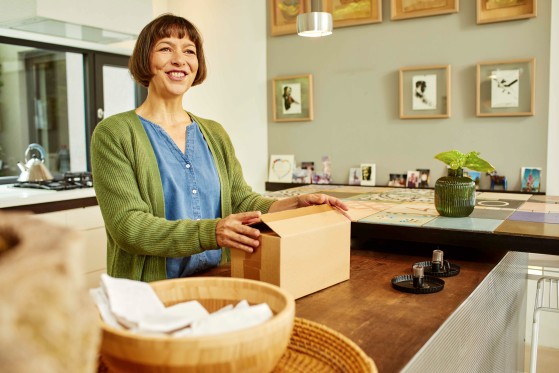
175,74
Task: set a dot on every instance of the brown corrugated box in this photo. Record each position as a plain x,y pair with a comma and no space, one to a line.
302,250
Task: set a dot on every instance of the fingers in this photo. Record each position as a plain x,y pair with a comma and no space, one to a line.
234,231
321,199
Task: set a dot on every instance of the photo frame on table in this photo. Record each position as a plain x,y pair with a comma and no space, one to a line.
506,88
425,92
354,176
424,177
413,179
404,9
281,168
352,13
283,15
530,178
292,98
489,11
474,175
368,174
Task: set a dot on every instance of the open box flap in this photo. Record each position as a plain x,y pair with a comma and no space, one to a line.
302,220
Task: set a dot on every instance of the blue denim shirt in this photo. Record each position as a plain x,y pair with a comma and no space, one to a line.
191,189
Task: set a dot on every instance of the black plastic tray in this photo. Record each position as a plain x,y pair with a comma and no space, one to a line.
405,283
449,269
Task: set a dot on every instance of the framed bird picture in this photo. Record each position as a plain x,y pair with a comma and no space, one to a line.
506,88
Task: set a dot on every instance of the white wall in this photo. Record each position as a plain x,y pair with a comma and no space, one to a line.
234,93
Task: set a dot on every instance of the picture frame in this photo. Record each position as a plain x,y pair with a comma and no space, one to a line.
405,9
292,98
368,174
397,180
412,179
281,168
424,177
283,15
530,179
474,175
353,13
490,11
354,176
425,92
506,88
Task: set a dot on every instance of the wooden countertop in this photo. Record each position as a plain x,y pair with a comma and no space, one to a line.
389,325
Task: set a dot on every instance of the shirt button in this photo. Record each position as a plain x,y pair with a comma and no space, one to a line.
194,191
188,165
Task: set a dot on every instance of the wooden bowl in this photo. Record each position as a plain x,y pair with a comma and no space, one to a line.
255,349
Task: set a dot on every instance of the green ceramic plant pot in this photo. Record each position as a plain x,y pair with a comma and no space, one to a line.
455,194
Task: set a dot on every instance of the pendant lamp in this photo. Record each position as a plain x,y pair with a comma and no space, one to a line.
316,23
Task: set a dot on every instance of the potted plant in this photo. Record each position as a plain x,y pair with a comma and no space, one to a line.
455,194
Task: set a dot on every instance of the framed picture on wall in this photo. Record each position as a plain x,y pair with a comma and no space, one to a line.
505,88
283,15
292,98
404,9
425,92
489,11
354,12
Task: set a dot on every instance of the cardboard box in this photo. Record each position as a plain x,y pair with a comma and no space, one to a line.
302,250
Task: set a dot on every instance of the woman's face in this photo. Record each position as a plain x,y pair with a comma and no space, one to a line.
174,65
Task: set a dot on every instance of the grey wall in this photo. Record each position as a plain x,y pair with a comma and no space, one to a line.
356,77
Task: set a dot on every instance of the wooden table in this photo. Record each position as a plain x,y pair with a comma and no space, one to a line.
389,325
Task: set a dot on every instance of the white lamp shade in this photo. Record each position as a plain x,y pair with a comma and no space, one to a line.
314,24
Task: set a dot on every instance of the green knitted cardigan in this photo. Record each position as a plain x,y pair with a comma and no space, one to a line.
130,193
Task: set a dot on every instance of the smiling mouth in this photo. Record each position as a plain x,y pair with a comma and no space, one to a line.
176,74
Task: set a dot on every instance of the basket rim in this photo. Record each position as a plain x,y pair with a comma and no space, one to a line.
287,312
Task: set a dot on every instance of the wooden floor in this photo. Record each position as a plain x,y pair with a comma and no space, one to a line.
548,360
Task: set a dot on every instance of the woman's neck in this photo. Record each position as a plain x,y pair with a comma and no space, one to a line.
164,112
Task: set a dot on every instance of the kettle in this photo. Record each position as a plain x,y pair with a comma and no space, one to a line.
34,169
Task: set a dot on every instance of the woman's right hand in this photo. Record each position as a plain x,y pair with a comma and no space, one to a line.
233,231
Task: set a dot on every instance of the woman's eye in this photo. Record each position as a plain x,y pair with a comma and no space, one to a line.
165,49
190,51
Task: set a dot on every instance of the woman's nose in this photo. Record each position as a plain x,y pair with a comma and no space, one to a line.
178,59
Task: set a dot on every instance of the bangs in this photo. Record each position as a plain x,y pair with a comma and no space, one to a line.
178,30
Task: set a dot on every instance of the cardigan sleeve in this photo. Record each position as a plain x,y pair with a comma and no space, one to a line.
129,192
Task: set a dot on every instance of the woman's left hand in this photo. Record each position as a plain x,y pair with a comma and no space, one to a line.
320,199
305,200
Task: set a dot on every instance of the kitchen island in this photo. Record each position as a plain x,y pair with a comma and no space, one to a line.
476,322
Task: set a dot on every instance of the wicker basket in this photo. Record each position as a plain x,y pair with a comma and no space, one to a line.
255,349
316,348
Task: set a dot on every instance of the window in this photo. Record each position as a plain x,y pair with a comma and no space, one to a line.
54,96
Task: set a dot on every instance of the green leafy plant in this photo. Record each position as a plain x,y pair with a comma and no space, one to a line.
455,160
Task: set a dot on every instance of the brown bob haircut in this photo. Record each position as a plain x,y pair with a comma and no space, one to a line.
164,26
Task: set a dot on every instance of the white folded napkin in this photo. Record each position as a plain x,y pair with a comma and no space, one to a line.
100,298
228,321
172,318
130,301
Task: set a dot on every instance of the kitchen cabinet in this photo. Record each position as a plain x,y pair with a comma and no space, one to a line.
89,222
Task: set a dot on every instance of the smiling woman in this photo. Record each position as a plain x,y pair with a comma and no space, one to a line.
169,185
